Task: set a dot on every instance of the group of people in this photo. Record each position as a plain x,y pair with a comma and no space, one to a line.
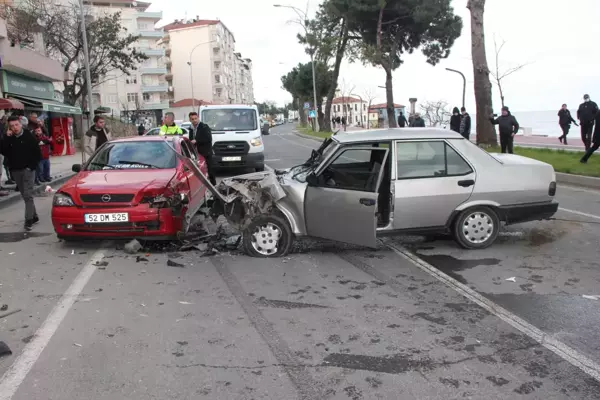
339,121
588,115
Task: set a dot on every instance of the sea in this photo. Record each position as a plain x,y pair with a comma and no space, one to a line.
542,123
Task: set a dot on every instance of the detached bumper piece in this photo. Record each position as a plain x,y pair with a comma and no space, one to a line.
528,212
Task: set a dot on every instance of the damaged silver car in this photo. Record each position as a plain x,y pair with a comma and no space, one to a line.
358,186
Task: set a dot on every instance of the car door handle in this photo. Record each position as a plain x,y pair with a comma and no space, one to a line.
367,202
466,183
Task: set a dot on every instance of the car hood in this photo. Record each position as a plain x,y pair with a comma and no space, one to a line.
119,181
513,159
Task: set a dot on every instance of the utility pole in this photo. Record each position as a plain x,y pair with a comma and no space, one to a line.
88,74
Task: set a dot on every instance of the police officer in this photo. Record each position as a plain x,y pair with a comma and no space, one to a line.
169,127
201,137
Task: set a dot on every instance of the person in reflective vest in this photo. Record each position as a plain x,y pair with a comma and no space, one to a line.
169,127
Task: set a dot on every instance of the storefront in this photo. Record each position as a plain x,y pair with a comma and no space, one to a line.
38,96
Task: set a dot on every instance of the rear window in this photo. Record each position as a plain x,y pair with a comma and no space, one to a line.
230,119
133,155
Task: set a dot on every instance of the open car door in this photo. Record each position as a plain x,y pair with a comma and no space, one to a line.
341,197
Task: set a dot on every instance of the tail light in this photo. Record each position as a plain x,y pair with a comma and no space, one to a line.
552,189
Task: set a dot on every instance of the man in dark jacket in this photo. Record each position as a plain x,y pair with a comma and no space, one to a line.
564,120
417,122
595,140
508,127
586,113
34,122
402,122
22,151
201,137
465,123
141,129
455,120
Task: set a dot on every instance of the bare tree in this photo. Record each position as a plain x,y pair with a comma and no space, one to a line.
345,90
498,74
436,112
486,134
369,96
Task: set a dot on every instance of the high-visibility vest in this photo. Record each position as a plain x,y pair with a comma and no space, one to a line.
170,130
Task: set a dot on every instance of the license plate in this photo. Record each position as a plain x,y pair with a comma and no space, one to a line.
232,158
106,218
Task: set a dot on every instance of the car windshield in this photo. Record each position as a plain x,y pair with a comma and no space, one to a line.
230,119
133,155
300,172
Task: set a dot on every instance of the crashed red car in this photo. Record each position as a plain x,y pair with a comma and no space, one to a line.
131,188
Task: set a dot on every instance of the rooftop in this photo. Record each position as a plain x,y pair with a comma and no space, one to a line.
384,105
190,24
345,99
397,134
188,103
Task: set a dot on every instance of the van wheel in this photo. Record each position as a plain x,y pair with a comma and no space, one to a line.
476,227
268,236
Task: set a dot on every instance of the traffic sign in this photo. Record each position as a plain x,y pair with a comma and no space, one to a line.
312,114
306,105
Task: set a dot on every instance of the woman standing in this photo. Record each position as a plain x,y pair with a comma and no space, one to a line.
564,120
455,120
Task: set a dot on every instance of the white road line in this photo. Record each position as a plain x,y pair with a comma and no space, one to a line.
273,160
565,352
14,377
296,143
579,213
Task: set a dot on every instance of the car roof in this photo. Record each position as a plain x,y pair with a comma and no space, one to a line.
396,134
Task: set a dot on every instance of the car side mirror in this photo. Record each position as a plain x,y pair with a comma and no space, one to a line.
76,168
312,179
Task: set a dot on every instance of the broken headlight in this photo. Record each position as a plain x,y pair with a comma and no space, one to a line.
62,200
163,200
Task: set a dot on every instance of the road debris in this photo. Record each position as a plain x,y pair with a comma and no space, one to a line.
511,279
11,253
141,259
171,263
10,313
77,345
101,264
591,297
4,350
72,252
132,247
185,303
4,307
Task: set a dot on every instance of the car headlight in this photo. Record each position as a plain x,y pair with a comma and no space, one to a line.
62,200
256,142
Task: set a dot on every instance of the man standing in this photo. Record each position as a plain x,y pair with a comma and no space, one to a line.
595,140
141,129
344,123
22,151
96,136
201,137
169,127
455,120
586,114
465,123
402,122
564,120
417,122
508,127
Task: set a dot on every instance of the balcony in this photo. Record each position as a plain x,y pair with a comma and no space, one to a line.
152,52
161,87
153,70
169,77
153,15
155,106
151,34
30,63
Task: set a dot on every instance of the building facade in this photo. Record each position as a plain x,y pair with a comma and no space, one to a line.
144,93
202,63
355,110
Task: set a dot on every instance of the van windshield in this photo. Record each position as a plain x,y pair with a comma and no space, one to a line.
230,119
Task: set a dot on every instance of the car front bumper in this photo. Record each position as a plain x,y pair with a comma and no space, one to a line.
144,222
249,160
528,212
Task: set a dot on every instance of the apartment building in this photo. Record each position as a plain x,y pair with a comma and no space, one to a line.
202,63
355,110
144,92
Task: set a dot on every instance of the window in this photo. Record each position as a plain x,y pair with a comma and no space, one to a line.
143,26
364,107
217,78
113,99
230,119
131,80
429,159
355,107
217,64
354,169
132,97
219,92
216,51
133,155
147,96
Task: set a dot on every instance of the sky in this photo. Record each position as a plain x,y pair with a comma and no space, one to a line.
557,42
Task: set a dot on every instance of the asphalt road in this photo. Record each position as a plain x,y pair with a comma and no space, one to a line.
327,322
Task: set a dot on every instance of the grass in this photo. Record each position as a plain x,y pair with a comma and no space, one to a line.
307,130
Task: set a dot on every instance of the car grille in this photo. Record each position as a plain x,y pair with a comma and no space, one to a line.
118,227
231,148
114,198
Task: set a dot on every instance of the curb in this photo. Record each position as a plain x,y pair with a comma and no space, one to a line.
15,197
569,179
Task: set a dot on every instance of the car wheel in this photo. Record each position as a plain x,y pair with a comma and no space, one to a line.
476,228
260,169
268,236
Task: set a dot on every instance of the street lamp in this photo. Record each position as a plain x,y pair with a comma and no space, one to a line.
192,72
361,107
464,83
301,14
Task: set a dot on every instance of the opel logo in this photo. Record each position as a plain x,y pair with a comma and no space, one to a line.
231,146
105,198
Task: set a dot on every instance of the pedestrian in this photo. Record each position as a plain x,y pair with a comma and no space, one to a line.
2,133
201,137
344,123
45,143
595,140
586,113
169,127
338,120
141,129
333,123
34,122
96,136
465,123
508,127
22,151
402,122
418,122
455,120
564,120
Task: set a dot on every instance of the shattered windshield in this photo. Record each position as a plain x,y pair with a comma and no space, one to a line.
133,155
230,119
300,172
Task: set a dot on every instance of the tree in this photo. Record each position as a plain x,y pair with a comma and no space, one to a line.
369,95
436,112
110,46
498,74
486,134
390,28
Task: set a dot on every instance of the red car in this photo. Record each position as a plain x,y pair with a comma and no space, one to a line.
131,188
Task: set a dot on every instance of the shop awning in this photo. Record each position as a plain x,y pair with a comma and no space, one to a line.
50,106
10,104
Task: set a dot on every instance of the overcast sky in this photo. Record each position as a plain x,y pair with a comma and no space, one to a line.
559,41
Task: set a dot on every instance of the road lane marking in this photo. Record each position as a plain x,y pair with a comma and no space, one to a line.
548,341
16,374
273,160
579,213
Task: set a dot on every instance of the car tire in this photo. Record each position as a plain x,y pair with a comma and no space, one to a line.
260,169
476,227
256,240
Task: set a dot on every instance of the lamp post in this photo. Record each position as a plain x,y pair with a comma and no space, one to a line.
88,74
361,107
303,17
464,83
192,72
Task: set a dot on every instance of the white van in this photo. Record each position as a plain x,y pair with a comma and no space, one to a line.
236,136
